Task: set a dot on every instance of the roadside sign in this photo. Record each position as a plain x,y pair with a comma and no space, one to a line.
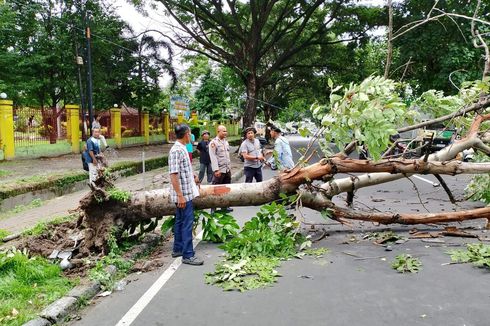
179,104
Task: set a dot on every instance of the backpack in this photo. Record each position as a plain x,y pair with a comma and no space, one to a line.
84,163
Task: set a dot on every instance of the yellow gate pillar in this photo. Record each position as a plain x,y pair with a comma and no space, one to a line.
180,117
194,119
72,127
7,129
68,123
146,127
166,126
116,126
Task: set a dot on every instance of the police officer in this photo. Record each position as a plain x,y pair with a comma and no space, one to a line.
219,153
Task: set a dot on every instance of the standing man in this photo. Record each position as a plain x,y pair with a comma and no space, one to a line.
282,149
251,152
219,154
183,190
90,155
204,160
96,124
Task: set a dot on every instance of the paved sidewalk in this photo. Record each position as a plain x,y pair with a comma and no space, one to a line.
72,162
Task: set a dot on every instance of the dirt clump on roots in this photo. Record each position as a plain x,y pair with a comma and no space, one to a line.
56,237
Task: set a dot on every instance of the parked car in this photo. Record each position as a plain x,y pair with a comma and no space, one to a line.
440,135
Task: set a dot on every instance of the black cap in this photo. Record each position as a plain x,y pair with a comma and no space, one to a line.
276,129
250,129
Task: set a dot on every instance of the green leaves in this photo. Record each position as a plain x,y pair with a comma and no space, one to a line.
479,187
272,233
254,253
369,112
406,264
168,224
246,274
218,227
476,253
372,111
119,194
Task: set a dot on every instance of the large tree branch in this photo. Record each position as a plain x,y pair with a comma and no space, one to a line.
208,45
482,103
389,41
338,186
405,29
320,202
148,204
477,37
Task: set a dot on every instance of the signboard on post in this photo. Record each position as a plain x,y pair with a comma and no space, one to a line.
179,105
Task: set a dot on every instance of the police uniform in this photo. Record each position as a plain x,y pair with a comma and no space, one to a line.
219,153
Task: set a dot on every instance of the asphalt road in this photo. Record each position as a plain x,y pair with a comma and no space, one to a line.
352,285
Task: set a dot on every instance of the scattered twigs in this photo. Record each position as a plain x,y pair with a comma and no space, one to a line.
350,254
446,188
321,237
418,194
366,258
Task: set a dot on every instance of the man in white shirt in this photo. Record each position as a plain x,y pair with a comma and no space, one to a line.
282,149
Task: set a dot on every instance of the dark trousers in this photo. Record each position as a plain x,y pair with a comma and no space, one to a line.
251,173
224,178
206,168
184,220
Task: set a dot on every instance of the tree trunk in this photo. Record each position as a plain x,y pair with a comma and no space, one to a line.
251,106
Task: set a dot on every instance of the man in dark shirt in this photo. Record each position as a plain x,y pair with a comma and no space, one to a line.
204,160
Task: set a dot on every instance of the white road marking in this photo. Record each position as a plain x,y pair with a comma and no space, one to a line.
145,299
426,180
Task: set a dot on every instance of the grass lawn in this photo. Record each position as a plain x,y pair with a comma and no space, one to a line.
28,285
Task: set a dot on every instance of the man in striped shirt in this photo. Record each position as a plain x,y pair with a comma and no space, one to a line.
183,189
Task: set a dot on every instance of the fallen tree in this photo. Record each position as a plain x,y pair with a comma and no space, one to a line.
101,211
145,208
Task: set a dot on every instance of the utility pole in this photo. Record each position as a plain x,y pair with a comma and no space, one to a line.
79,60
79,63
89,71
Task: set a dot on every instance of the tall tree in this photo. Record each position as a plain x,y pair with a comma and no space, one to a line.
150,66
258,38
